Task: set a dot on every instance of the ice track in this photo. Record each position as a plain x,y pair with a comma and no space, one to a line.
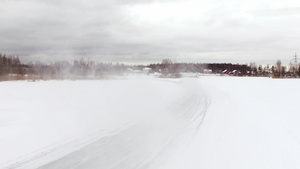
146,144
150,127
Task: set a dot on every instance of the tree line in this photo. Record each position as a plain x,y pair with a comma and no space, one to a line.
11,68
11,65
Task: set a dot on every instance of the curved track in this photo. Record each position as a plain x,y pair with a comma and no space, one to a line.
146,141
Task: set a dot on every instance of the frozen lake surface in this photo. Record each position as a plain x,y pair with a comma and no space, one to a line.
146,122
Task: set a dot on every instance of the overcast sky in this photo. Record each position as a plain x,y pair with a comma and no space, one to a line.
144,31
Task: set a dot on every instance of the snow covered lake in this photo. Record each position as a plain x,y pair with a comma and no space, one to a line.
146,122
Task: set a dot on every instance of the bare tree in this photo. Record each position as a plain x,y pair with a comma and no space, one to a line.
166,66
278,66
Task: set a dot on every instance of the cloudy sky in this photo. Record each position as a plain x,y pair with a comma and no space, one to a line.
144,31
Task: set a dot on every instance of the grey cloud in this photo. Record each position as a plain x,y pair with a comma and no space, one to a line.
278,12
55,30
53,27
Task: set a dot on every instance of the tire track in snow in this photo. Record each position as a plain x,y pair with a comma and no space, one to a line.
54,151
192,108
147,143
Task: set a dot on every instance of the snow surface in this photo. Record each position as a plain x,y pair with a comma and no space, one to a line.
145,122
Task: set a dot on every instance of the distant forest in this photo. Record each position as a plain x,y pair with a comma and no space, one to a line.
11,68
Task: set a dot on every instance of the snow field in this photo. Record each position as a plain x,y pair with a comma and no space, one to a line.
251,123
128,123
144,122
